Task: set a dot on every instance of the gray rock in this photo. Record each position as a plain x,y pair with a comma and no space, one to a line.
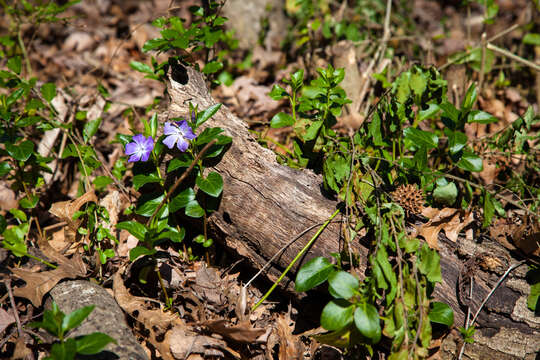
107,317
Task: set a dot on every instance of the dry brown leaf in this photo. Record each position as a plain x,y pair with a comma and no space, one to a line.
452,221
8,200
66,209
290,347
185,343
39,284
6,319
21,350
242,332
156,321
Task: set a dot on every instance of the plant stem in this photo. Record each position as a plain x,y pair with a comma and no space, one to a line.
180,179
298,256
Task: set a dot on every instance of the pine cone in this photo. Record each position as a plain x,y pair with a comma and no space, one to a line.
410,198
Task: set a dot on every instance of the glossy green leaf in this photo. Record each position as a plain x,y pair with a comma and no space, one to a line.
212,185
421,138
48,90
141,180
14,96
342,285
456,141
93,343
470,162
135,228
470,98
313,273
181,200
366,320
90,129
63,351
280,120
441,313
100,182
4,168
277,93
141,67
140,251
207,114
75,318
148,204
14,64
531,39
194,210
22,151
212,67
337,314
313,130
481,117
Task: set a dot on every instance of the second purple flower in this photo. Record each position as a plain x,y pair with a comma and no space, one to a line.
178,133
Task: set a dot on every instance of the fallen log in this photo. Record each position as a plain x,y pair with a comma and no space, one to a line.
266,204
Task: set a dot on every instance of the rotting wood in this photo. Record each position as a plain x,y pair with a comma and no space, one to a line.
265,204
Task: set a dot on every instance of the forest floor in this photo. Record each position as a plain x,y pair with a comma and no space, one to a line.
68,217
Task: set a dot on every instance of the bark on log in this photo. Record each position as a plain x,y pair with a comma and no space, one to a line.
265,205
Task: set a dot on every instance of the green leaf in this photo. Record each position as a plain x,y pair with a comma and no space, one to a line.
4,168
212,67
212,185
14,96
489,209
277,93
14,241
90,129
342,285
48,90
313,273
75,318
100,182
429,264
194,210
533,300
280,120
531,39
149,204
141,180
456,140
207,135
428,113
181,200
19,215
141,67
134,228
366,319
182,161
29,203
207,114
313,130
481,117
470,98
446,194
14,64
470,162
421,138
337,314
21,152
93,343
64,351
441,313
139,251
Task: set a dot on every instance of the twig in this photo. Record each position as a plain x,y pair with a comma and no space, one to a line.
181,178
283,248
512,56
298,256
482,63
14,307
499,282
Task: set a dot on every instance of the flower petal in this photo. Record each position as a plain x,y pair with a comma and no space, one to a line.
182,145
170,140
145,155
139,138
169,129
131,148
134,157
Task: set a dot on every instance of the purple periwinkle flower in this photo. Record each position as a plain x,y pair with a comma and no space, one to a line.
140,148
178,133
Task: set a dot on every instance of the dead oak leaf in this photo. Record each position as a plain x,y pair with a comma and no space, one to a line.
290,346
6,319
185,344
40,283
156,321
452,221
65,210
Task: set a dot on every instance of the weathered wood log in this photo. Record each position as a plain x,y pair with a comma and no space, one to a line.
265,205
